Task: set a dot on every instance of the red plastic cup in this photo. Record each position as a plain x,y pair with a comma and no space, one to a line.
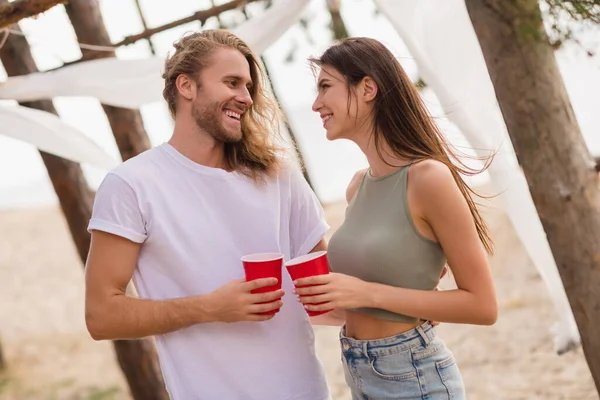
264,265
309,265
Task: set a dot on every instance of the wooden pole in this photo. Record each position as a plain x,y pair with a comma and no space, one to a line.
145,25
201,16
11,13
560,171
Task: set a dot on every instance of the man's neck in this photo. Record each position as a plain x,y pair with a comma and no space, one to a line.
198,146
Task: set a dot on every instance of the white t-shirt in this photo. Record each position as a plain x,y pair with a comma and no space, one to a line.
194,223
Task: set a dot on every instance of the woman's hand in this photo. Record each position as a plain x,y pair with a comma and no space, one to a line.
334,291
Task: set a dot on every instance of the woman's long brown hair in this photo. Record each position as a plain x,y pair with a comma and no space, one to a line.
401,119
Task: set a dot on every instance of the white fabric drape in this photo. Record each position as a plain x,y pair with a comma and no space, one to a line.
132,83
441,38
120,83
48,133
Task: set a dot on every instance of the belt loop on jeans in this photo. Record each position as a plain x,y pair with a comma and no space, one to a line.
365,348
425,337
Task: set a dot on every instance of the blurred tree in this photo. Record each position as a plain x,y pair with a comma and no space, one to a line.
559,168
564,17
338,26
137,358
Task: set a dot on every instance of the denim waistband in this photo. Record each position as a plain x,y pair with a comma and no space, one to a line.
420,336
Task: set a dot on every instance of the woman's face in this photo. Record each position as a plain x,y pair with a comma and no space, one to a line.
342,116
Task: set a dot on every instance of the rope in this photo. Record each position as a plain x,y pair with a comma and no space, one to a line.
81,45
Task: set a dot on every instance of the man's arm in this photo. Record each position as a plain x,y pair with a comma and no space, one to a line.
321,246
111,314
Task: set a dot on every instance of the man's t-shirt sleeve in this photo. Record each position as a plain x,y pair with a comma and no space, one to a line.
116,210
307,220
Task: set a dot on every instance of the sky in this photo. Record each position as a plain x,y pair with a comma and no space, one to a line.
23,179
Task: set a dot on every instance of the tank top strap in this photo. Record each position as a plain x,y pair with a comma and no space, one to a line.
360,185
404,186
404,172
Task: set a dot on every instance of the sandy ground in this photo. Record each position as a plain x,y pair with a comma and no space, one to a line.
50,355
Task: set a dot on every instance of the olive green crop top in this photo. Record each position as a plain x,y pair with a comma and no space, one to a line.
378,241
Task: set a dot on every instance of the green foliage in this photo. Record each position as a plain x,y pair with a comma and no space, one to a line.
578,10
420,84
565,17
4,380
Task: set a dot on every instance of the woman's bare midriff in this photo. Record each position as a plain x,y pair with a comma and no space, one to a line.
364,327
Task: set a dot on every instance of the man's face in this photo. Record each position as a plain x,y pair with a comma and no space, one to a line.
223,95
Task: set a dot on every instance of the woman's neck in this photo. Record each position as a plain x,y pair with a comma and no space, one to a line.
381,162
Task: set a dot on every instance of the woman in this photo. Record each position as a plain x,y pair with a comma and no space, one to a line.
409,213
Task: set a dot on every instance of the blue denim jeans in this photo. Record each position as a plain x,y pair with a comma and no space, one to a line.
409,366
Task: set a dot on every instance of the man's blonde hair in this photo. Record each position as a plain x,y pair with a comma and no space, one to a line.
257,153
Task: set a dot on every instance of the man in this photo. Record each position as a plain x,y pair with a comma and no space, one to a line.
178,218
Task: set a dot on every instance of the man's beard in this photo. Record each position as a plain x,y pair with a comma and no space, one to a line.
209,119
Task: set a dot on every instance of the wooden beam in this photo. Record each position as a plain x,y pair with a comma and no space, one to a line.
201,16
145,25
11,13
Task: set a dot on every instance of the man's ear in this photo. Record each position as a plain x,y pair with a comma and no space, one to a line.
368,89
186,87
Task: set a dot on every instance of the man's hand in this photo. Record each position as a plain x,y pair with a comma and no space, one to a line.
234,302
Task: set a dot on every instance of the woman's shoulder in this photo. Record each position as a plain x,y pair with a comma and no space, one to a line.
429,171
432,184
354,184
